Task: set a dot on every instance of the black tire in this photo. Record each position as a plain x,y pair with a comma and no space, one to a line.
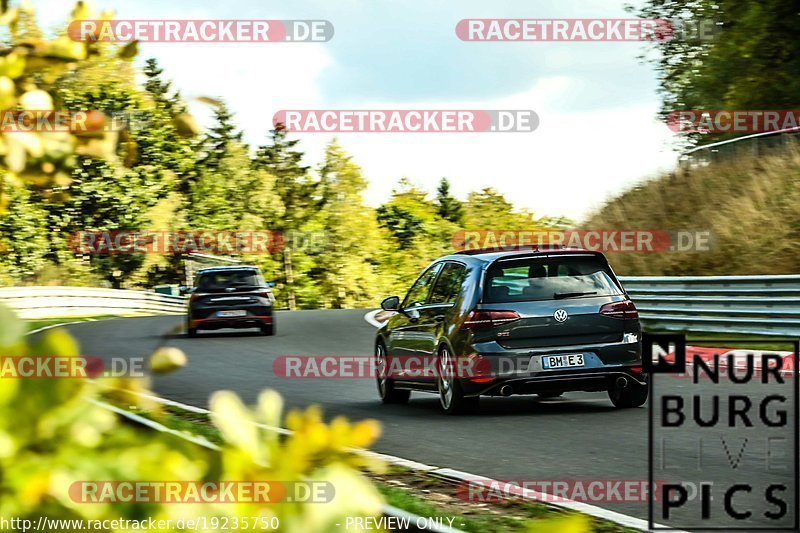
386,389
451,394
268,329
191,332
549,395
634,395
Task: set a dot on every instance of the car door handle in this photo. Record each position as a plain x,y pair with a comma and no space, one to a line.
439,318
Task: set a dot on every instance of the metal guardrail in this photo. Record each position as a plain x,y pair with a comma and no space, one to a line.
754,145
763,305
41,302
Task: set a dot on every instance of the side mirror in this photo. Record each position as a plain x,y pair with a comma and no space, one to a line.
392,303
184,290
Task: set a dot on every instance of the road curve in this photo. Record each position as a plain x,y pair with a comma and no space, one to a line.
580,436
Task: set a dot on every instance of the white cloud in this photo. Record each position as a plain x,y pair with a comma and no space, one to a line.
569,165
254,80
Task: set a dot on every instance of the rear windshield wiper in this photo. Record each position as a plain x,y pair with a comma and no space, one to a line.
562,295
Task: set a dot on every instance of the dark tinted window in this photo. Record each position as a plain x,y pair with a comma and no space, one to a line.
549,279
418,294
448,285
223,279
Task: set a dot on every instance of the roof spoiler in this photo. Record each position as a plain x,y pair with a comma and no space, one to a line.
516,248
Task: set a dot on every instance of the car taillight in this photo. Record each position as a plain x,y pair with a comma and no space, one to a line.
623,310
489,319
264,294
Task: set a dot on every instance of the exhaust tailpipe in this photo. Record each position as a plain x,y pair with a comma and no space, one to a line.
622,382
506,390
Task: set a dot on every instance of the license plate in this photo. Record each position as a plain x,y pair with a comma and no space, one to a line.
235,312
555,362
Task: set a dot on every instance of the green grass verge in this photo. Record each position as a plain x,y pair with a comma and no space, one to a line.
36,323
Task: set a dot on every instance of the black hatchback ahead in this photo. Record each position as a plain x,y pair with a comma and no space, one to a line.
535,321
230,297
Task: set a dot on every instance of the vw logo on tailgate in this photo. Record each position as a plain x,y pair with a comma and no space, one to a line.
560,315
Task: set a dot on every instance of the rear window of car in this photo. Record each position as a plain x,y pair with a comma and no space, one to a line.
551,278
211,281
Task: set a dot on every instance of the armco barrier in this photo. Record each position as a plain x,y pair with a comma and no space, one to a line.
764,305
40,302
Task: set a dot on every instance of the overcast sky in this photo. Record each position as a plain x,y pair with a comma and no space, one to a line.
596,101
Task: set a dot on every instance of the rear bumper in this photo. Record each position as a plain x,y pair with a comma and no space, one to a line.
604,364
250,321
584,381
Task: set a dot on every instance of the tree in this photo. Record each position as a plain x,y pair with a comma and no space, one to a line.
449,208
159,89
298,193
346,267
219,138
751,62
233,195
23,244
490,210
416,235
103,179
111,193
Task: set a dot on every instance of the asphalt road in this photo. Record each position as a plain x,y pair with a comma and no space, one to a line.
579,436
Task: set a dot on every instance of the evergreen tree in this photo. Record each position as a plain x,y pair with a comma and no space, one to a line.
448,207
157,87
299,195
219,137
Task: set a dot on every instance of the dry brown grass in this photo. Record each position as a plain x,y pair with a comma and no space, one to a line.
750,205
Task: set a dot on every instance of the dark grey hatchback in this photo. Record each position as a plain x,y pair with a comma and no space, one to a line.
230,297
530,321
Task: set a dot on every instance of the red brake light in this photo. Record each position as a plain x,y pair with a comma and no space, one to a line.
489,319
623,310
